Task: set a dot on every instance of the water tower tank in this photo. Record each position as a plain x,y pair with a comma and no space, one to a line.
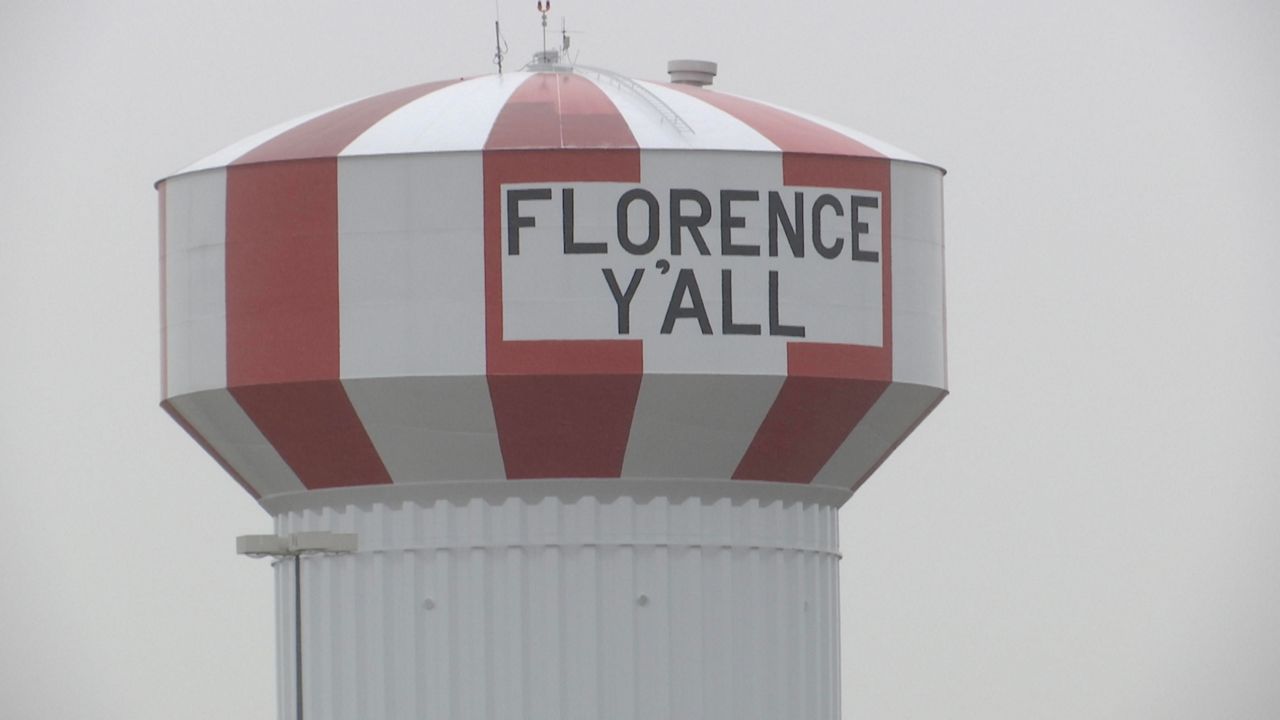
586,364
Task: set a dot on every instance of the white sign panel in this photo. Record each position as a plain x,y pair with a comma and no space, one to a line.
608,261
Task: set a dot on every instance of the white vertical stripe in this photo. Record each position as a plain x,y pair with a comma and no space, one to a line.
411,281
919,349
919,353
430,429
195,291
456,117
220,420
411,265
892,415
696,426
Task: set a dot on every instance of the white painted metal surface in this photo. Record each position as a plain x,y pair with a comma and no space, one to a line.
195,291
412,297
558,514
569,607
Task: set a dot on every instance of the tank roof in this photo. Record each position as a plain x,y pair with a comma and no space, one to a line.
552,107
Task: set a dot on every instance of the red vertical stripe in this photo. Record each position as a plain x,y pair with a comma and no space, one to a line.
282,320
809,420
563,408
282,272
829,387
283,357
316,430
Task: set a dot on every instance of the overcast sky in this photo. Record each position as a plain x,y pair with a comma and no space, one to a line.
1088,527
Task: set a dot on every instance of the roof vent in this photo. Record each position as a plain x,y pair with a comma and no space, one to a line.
698,73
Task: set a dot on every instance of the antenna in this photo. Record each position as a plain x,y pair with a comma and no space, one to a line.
544,8
499,46
566,40
499,50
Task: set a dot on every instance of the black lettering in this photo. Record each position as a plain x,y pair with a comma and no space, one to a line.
775,326
794,232
729,221
727,325
686,284
623,299
515,220
693,223
571,247
860,228
624,229
824,201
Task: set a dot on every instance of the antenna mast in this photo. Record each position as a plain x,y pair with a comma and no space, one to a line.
498,50
544,8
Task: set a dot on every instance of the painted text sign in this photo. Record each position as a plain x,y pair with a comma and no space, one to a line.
601,260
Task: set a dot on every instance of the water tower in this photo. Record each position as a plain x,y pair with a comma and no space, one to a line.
563,376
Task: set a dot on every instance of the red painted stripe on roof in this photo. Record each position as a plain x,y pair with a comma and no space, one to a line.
559,110
164,293
588,118
809,420
283,358
207,447
790,132
316,430
326,135
563,408
530,119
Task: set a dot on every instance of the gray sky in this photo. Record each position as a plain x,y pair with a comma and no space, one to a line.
1089,526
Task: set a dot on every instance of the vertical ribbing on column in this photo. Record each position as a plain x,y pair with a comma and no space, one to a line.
575,607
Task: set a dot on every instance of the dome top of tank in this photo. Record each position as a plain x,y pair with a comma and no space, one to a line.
554,107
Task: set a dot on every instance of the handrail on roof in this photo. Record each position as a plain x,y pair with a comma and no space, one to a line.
667,113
